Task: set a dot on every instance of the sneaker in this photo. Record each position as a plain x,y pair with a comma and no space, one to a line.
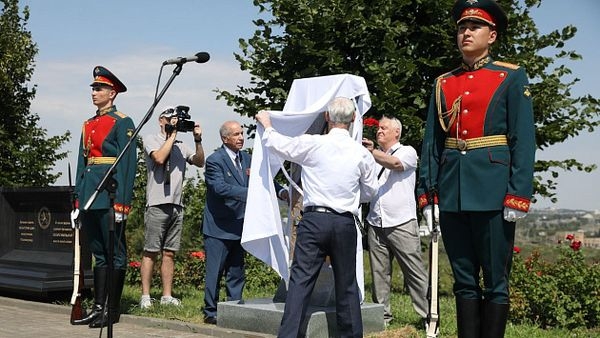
168,300
145,302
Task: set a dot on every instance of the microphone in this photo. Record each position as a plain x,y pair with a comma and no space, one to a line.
200,57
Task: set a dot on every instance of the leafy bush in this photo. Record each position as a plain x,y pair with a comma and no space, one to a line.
260,276
132,274
564,293
190,270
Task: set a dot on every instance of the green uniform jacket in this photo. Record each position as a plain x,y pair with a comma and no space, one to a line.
492,99
103,137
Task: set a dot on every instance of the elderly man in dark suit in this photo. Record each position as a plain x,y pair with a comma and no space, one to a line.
226,177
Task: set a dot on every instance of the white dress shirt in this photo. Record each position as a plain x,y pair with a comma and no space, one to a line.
232,155
337,172
395,202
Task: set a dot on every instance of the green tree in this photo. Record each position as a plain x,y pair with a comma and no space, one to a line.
135,220
27,155
399,47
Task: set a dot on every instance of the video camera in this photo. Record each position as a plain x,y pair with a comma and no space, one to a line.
183,120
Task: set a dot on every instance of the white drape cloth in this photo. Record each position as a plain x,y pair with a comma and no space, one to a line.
263,234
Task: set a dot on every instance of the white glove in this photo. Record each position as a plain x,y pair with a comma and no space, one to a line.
119,217
74,218
512,215
428,215
424,231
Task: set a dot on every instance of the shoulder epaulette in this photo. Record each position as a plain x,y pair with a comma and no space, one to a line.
119,114
506,65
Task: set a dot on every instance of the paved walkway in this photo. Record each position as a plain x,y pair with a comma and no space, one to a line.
26,319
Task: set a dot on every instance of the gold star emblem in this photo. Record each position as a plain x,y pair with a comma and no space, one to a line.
44,218
527,92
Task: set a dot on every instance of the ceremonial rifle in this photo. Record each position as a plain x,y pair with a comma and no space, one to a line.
77,311
433,318
433,325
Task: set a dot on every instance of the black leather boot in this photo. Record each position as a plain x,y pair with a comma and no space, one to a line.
494,318
114,301
100,274
467,317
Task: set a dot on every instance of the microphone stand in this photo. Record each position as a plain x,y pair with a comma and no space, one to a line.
109,184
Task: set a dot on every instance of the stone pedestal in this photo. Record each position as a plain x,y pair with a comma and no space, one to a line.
263,315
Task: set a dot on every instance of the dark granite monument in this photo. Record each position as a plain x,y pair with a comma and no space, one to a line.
36,241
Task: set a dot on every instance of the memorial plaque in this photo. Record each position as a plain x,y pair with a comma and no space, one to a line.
36,243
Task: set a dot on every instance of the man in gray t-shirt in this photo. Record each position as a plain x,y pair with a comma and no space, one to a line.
166,159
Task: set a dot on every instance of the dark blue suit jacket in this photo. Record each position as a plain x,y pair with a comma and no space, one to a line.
226,193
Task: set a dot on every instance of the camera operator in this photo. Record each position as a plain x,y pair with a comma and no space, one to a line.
166,159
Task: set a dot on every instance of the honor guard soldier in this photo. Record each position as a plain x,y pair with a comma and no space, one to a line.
103,138
477,165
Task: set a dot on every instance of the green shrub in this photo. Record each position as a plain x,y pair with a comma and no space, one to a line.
260,276
132,274
190,268
564,293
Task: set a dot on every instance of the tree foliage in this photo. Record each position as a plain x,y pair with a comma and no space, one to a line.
27,155
400,47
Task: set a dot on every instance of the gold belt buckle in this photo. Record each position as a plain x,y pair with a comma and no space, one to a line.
461,145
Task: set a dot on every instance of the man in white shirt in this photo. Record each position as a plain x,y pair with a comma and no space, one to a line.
337,174
393,228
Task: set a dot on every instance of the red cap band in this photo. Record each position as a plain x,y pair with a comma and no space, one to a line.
476,14
103,80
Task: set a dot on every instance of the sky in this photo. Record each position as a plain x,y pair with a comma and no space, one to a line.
132,38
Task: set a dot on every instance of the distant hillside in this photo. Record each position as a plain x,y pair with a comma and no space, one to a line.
541,225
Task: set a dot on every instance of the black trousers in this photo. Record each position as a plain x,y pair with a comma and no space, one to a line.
319,235
479,244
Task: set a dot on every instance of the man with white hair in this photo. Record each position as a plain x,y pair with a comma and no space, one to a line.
166,159
392,218
337,174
